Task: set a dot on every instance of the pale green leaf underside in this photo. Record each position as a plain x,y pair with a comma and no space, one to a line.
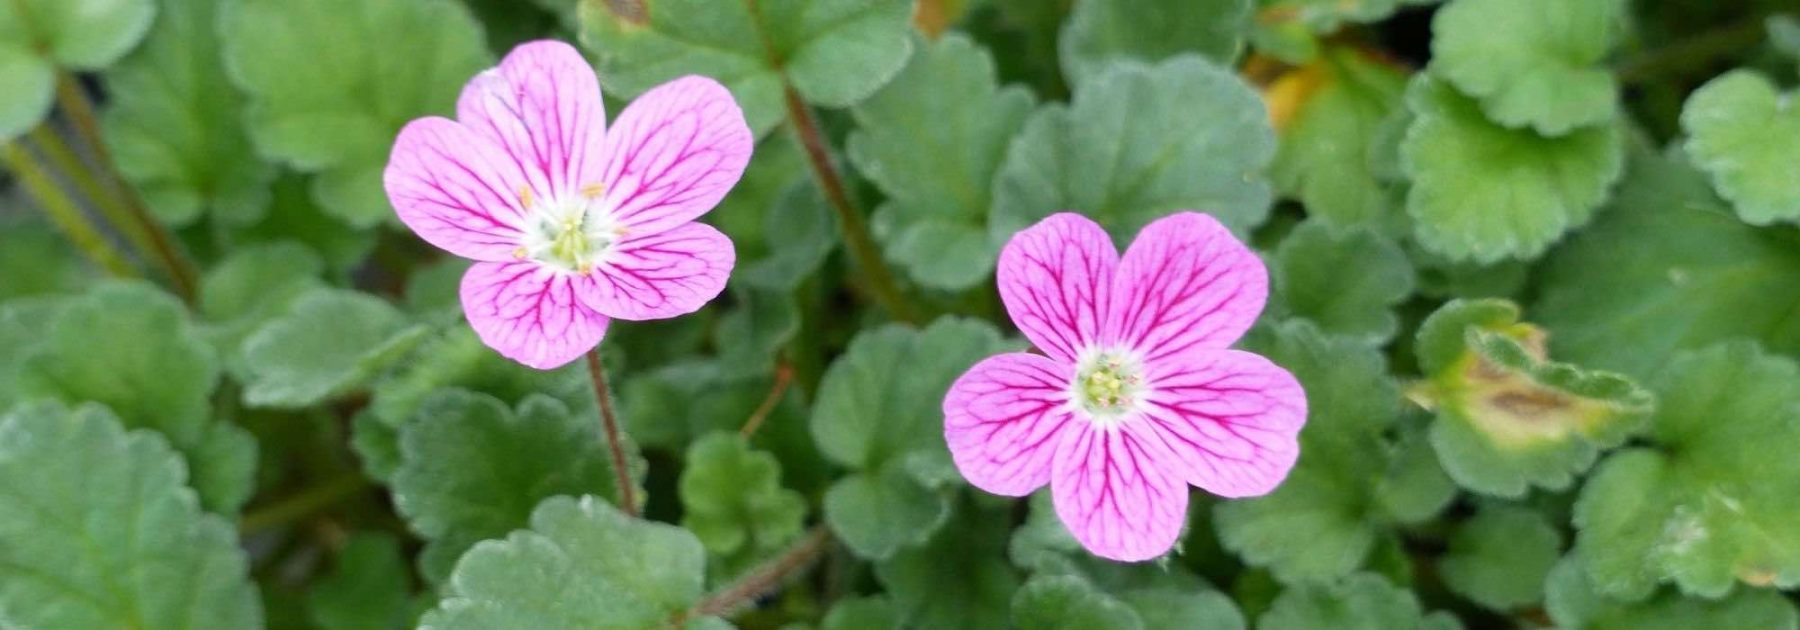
1747,137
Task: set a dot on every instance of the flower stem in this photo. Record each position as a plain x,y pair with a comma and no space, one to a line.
764,579
130,215
307,502
784,375
610,423
63,157
64,213
856,230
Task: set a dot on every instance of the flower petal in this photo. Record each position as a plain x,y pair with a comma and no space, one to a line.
531,314
673,153
455,189
1231,418
1111,494
542,106
1185,283
663,275
1003,419
1056,278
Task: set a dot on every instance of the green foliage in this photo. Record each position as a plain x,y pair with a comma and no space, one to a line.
733,501
1308,283
103,532
1532,63
367,590
330,342
1575,603
1747,137
957,579
1363,601
1324,160
1501,557
1103,32
40,37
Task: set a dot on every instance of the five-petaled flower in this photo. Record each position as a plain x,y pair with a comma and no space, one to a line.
572,224
1137,394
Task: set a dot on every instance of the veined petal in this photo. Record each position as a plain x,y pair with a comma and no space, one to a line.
673,153
1185,283
456,189
1111,493
530,313
1003,420
1056,278
1232,419
542,106
662,275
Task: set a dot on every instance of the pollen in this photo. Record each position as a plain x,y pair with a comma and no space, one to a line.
593,191
1108,385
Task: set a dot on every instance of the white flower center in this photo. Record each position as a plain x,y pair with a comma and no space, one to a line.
1109,385
573,233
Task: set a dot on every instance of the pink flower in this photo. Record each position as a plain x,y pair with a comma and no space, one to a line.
572,224
1138,396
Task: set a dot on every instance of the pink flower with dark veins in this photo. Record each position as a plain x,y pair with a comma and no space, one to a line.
1137,394
572,224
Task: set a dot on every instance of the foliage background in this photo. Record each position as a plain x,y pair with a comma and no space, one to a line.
1535,262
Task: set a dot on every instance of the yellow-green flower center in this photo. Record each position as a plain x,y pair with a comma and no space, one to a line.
572,234
1108,384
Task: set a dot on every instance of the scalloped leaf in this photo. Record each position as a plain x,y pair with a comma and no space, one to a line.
1065,602
39,36
1310,280
732,500
1575,603
581,565
366,590
1708,502
958,579
833,54
1326,140
1362,601
1482,192
1532,63
1100,33
932,139
329,343
1746,135
1508,418
370,67
104,533
1138,143
1499,559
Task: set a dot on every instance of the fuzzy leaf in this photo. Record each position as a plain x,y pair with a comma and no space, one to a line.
1363,601
472,469
39,36
834,53
367,590
1347,281
1709,501
251,287
732,499
370,68
1326,142
956,580
1747,137
1575,603
1499,559
932,140
330,342
1138,143
1103,32
1069,603
1533,63
1507,417
175,124
1484,192
293,216
583,564
102,532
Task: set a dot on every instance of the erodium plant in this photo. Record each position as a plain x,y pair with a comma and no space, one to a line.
897,314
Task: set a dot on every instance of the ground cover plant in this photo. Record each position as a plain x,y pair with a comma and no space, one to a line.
866,314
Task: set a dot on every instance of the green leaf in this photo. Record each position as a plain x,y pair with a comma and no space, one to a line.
130,347
1324,520
1363,601
1310,282
175,123
1709,501
1574,603
1138,143
878,513
330,342
932,140
675,404
1533,63
458,359
753,334
1069,603
801,232
1508,418
1484,192
370,68
834,53
958,579
254,285
732,500
39,36
367,590
25,326
862,613
583,564
1325,16
1324,160
293,216
1100,33
1499,559
472,469
1747,137
35,260
102,531
1667,269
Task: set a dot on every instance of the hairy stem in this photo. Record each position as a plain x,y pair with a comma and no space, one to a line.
73,169
307,502
80,111
766,578
856,230
64,213
610,423
784,376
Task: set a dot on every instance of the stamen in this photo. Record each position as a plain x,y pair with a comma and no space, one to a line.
527,198
593,191
520,253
